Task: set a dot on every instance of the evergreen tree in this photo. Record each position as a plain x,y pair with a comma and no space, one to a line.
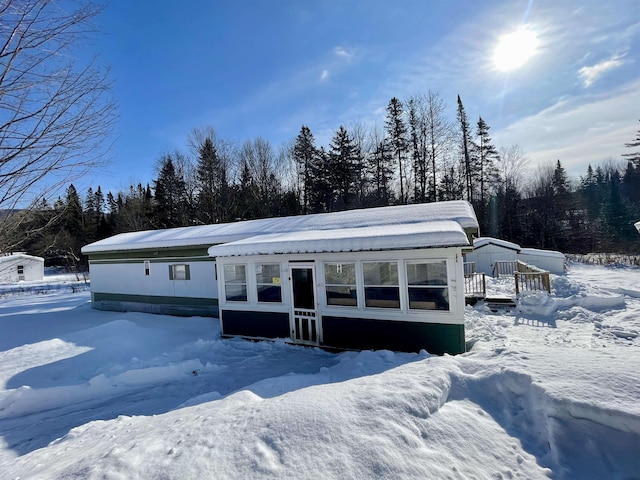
465,139
305,155
634,156
631,185
321,191
483,173
213,195
170,197
381,173
344,170
397,131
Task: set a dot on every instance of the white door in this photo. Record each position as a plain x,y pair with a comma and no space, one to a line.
305,324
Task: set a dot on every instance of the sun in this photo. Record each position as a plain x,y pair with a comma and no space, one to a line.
514,49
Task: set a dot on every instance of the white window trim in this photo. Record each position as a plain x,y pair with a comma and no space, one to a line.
447,286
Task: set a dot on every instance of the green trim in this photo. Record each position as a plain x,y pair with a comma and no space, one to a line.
152,260
154,299
151,253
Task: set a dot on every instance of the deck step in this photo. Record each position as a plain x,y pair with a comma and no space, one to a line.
496,304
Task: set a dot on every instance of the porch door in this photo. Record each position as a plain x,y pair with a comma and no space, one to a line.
305,326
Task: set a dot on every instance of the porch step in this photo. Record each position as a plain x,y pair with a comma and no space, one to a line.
496,304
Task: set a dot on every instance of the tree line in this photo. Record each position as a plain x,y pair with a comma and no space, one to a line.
419,155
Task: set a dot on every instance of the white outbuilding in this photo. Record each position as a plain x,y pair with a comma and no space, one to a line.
388,277
487,250
20,267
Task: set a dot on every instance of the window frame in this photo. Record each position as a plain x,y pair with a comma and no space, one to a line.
369,287
412,304
352,286
147,268
176,267
225,282
272,284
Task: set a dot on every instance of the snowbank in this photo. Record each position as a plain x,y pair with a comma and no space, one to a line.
549,390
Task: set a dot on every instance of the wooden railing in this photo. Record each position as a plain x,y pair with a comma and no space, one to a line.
475,285
469,268
502,267
527,277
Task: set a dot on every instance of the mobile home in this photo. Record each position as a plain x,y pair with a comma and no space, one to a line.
389,277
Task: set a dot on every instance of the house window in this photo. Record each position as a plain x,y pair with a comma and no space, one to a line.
340,284
235,283
20,269
427,284
268,282
381,288
147,267
179,272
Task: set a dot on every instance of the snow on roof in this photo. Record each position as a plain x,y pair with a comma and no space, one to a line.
459,211
6,257
637,225
542,253
483,241
416,235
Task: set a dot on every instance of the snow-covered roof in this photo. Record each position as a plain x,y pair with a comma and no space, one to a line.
542,253
483,241
416,235
12,257
458,211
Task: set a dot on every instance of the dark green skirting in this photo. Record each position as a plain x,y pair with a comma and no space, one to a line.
363,334
255,324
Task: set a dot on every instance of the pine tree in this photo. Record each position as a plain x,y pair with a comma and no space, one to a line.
465,139
213,195
343,167
305,155
381,173
483,171
321,188
634,156
170,197
397,131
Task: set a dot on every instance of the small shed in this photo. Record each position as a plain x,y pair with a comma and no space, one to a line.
487,250
388,277
20,267
549,260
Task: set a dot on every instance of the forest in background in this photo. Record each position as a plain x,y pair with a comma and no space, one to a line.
419,155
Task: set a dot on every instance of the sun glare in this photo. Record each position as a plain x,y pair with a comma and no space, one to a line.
514,49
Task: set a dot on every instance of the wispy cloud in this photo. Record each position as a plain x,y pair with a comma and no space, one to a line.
590,74
343,53
324,75
578,131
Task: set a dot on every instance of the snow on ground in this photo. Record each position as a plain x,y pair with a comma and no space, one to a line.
550,390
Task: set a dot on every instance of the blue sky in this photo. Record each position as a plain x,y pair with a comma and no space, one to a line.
263,68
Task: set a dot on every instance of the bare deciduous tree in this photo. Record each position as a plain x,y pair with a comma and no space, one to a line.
55,112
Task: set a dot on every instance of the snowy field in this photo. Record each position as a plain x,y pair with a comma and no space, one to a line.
551,390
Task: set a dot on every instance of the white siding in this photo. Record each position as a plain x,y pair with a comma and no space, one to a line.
130,279
486,256
33,268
